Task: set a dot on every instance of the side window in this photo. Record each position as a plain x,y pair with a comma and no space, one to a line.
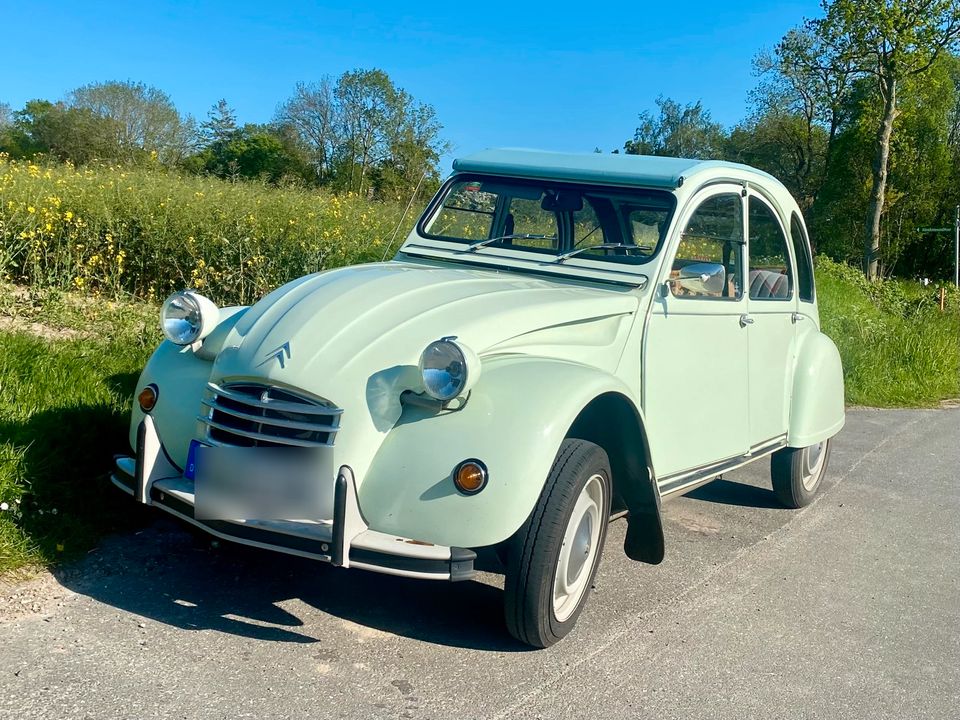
770,276
801,251
709,259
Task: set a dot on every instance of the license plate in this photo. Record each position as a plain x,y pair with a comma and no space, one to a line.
240,483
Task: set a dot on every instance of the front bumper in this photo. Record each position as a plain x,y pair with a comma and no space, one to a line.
344,541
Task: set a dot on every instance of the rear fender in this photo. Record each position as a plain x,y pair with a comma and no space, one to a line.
816,408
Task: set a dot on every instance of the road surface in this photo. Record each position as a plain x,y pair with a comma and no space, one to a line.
849,608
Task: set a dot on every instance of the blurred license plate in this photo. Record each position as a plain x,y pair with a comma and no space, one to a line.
238,483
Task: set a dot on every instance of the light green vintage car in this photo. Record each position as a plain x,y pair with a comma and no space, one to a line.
561,340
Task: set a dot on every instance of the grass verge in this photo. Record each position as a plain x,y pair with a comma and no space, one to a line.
898,348
68,368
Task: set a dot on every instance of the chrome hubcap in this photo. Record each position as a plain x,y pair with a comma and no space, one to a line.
813,457
579,550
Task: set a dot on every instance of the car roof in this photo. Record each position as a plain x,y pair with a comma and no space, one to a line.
620,169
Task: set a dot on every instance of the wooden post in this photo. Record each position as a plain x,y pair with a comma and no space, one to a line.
943,298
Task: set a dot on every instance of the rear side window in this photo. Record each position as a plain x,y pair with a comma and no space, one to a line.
770,273
801,251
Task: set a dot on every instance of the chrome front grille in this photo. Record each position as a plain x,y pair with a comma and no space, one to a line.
257,415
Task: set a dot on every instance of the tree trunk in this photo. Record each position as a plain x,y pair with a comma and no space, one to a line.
881,159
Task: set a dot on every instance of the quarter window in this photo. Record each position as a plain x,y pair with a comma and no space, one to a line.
770,274
709,259
801,251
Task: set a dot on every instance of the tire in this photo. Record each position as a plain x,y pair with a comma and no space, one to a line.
797,472
546,584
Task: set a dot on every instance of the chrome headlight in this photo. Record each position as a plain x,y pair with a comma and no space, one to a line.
187,316
448,369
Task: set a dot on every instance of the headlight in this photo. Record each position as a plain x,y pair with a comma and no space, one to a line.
448,368
187,316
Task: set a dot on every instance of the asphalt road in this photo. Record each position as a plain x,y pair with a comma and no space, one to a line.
847,609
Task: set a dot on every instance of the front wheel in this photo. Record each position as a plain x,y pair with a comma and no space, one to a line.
796,473
554,557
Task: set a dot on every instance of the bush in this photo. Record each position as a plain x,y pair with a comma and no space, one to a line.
144,231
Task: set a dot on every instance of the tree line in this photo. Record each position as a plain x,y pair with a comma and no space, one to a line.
358,133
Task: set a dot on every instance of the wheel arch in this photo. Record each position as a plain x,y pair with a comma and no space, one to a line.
613,422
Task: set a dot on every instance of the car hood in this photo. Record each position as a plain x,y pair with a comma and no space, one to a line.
365,319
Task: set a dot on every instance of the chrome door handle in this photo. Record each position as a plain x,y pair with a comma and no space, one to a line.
745,320
796,317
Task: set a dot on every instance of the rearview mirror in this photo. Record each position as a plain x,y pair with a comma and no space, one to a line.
703,278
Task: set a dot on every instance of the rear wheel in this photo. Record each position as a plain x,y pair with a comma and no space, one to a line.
554,557
797,472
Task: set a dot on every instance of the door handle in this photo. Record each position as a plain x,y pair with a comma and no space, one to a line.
745,320
796,317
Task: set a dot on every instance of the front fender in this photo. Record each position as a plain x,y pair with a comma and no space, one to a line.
816,409
514,421
180,374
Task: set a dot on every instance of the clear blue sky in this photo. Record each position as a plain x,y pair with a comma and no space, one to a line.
552,75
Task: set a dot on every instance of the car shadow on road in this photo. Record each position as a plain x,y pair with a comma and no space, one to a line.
181,578
728,492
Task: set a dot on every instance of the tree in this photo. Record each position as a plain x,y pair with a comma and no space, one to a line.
413,153
364,134
220,125
312,114
787,145
889,41
145,118
370,114
66,133
259,152
677,131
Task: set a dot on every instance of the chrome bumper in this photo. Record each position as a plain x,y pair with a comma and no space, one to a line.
344,541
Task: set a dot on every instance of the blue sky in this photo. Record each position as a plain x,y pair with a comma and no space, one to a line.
552,75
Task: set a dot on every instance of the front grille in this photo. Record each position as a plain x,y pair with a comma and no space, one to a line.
256,415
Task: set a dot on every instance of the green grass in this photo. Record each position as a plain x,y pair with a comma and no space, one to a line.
64,404
898,349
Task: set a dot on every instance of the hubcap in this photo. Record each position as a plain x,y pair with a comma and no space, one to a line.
813,457
578,552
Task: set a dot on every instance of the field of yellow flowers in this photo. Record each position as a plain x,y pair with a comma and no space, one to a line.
145,231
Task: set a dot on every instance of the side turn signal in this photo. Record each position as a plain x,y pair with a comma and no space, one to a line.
470,477
147,398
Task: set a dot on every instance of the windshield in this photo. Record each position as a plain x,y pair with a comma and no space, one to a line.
565,220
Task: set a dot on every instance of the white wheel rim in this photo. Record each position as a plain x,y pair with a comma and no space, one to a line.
813,458
578,552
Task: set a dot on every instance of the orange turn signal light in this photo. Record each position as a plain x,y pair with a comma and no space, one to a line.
148,397
470,477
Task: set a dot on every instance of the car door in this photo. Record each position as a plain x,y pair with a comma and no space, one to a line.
695,367
772,304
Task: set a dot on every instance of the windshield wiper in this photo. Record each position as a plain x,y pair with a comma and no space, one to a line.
602,246
473,247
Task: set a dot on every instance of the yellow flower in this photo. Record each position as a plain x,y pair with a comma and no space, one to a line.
31,209
69,215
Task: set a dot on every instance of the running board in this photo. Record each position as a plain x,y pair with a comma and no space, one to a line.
690,479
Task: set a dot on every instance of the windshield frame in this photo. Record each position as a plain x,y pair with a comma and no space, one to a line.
547,257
